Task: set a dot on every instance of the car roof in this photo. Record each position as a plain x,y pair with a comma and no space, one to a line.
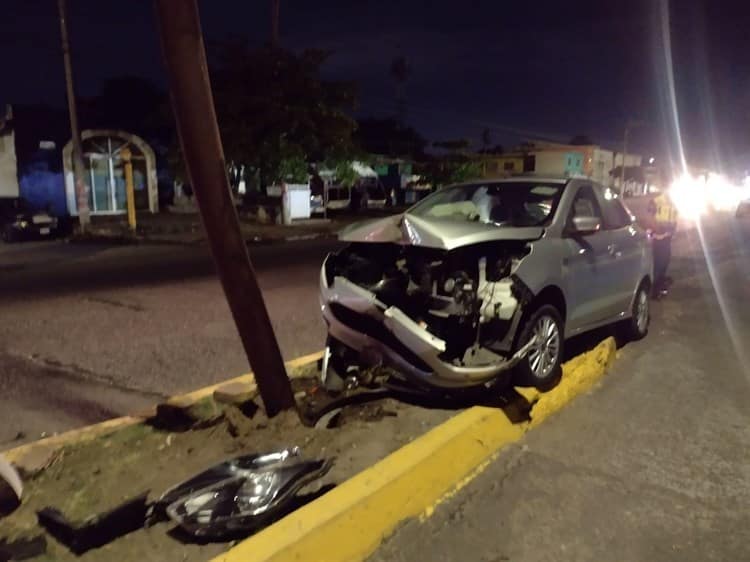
514,179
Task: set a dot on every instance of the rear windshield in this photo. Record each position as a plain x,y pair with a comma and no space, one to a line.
521,203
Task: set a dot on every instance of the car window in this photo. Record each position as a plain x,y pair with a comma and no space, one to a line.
585,204
616,216
503,204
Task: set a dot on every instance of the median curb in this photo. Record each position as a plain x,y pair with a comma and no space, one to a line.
349,522
37,454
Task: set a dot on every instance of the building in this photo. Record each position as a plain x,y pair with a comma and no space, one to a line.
558,162
502,165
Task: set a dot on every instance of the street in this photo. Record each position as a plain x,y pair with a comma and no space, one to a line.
654,465
92,332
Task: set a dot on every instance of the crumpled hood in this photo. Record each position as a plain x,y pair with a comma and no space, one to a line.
434,233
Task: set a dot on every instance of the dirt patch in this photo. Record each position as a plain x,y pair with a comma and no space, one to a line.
96,476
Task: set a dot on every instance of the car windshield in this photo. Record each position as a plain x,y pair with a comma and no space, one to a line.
522,203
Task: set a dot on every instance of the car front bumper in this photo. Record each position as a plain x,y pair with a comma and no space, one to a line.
385,334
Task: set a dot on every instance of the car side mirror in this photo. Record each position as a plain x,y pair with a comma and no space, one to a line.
585,225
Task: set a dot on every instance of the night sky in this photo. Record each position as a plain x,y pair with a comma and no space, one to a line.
542,69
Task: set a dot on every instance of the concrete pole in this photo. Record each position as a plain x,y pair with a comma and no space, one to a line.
82,196
193,105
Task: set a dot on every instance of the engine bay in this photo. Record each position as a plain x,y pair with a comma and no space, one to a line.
467,297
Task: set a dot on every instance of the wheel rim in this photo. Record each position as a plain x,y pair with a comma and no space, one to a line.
546,348
641,311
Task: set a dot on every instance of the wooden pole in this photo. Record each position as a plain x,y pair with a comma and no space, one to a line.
82,196
193,105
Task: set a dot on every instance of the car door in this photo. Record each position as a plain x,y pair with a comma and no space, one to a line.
586,265
625,244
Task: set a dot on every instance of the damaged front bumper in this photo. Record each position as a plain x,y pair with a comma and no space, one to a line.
385,334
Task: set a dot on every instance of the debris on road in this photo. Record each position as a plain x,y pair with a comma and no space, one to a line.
242,494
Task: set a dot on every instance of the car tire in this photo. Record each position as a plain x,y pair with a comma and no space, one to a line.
636,327
542,366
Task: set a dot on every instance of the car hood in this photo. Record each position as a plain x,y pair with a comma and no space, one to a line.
443,234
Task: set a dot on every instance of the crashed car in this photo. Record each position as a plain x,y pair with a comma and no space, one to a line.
18,221
483,282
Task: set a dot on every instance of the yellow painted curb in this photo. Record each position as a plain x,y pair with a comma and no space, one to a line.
349,522
48,445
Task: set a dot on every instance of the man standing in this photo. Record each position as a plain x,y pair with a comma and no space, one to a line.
662,223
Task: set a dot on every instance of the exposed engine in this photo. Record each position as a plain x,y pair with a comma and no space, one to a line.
466,297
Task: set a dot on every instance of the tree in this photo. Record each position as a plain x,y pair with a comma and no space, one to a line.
580,140
273,105
446,170
389,137
453,145
497,149
131,103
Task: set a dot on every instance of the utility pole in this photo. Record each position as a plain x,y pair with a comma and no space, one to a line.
82,196
193,105
275,7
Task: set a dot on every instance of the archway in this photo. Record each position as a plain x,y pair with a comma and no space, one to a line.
105,180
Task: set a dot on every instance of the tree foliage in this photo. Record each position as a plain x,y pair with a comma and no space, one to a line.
273,106
452,145
389,137
442,171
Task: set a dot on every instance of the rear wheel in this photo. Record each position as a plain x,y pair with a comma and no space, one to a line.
542,366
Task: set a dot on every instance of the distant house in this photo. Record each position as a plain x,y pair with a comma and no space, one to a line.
502,165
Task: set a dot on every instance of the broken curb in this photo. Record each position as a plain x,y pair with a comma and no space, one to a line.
349,522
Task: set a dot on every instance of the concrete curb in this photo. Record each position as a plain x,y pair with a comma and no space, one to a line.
349,522
35,454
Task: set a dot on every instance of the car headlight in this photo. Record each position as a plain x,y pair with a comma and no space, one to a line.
22,224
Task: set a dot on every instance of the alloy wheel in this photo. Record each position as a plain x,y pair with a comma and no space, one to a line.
546,348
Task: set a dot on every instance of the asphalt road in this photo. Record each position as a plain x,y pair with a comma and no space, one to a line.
92,332
653,465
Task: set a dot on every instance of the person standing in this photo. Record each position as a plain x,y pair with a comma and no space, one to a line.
662,224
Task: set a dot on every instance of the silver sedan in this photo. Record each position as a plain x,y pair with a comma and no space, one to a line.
483,282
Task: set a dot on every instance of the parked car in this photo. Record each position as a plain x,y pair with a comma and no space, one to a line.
19,221
483,282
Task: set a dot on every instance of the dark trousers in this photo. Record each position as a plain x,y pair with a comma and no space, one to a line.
662,254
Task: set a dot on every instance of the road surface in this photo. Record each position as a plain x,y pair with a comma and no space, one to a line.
92,332
654,465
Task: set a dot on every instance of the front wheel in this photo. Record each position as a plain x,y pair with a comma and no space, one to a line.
636,327
542,366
